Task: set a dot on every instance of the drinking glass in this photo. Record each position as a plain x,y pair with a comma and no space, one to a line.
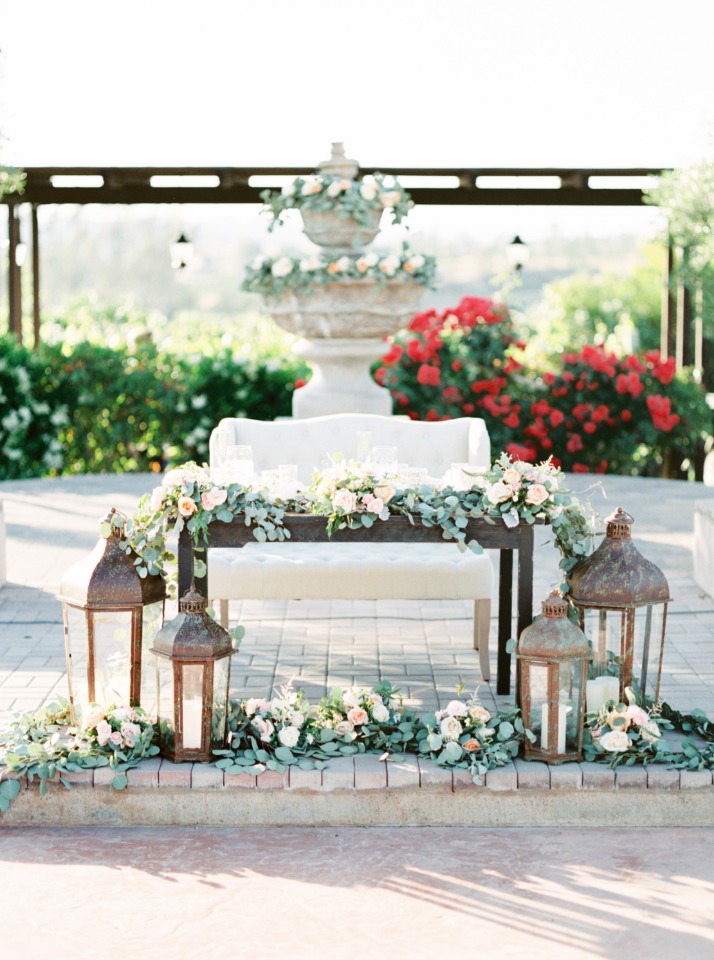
220,450
238,464
364,445
385,460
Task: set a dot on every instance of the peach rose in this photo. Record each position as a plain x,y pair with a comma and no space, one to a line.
186,506
345,500
471,746
537,494
385,491
357,716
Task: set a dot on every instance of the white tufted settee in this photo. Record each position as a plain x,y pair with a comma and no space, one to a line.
364,571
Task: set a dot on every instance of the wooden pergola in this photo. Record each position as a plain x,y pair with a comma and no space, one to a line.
447,186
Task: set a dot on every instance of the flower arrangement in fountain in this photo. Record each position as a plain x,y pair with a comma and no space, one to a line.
358,200
626,733
275,276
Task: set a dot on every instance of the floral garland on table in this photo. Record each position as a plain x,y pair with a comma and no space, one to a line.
356,199
353,495
46,746
275,276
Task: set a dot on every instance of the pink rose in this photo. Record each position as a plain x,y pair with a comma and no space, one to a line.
357,716
537,494
213,498
116,737
104,732
186,506
372,504
637,715
343,728
131,733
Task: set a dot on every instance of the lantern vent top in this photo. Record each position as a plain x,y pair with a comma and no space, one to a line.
555,606
619,525
192,602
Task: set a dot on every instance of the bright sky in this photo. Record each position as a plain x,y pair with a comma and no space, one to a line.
401,82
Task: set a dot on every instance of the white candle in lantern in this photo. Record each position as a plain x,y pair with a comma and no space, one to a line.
611,688
563,711
192,724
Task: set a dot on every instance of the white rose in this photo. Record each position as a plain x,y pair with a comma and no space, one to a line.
368,191
345,500
350,698
308,264
289,736
390,265
257,262
456,709
615,741
498,492
92,716
288,190
298,718
282,267
343,728
335,188
512,477
371,259
450,728
380,713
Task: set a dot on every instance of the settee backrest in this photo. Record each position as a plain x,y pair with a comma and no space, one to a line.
309,443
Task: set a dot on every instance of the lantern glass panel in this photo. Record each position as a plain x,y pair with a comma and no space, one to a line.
604,630
538,687
569,698
165,702
112,655
152,618
221,675
192,706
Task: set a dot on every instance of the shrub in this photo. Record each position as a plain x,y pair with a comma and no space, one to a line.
460,362
632,415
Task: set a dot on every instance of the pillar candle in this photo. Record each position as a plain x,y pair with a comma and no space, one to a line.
192,717
563,711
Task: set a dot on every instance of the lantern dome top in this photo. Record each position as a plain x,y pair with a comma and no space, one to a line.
193,635
554,636
616,575
107,578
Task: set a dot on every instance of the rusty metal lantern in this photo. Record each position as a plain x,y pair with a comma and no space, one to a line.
553,658
193,661
110,616
622,601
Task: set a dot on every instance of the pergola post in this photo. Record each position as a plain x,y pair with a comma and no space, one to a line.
14,275
667,315
35,277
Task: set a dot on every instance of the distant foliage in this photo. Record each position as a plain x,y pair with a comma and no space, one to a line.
78,406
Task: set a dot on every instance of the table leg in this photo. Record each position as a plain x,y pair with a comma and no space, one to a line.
525,579
505,616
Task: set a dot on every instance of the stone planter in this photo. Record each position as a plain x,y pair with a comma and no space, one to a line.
349,309
339,233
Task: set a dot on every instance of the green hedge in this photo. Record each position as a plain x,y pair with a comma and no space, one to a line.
89,408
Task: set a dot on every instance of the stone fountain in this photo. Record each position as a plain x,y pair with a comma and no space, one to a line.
342,323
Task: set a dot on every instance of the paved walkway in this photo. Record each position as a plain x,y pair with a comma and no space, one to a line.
423,647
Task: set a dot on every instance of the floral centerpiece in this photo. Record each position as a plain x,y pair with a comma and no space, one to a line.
626,733
350,495
356,719
359,199
465,734
46,745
